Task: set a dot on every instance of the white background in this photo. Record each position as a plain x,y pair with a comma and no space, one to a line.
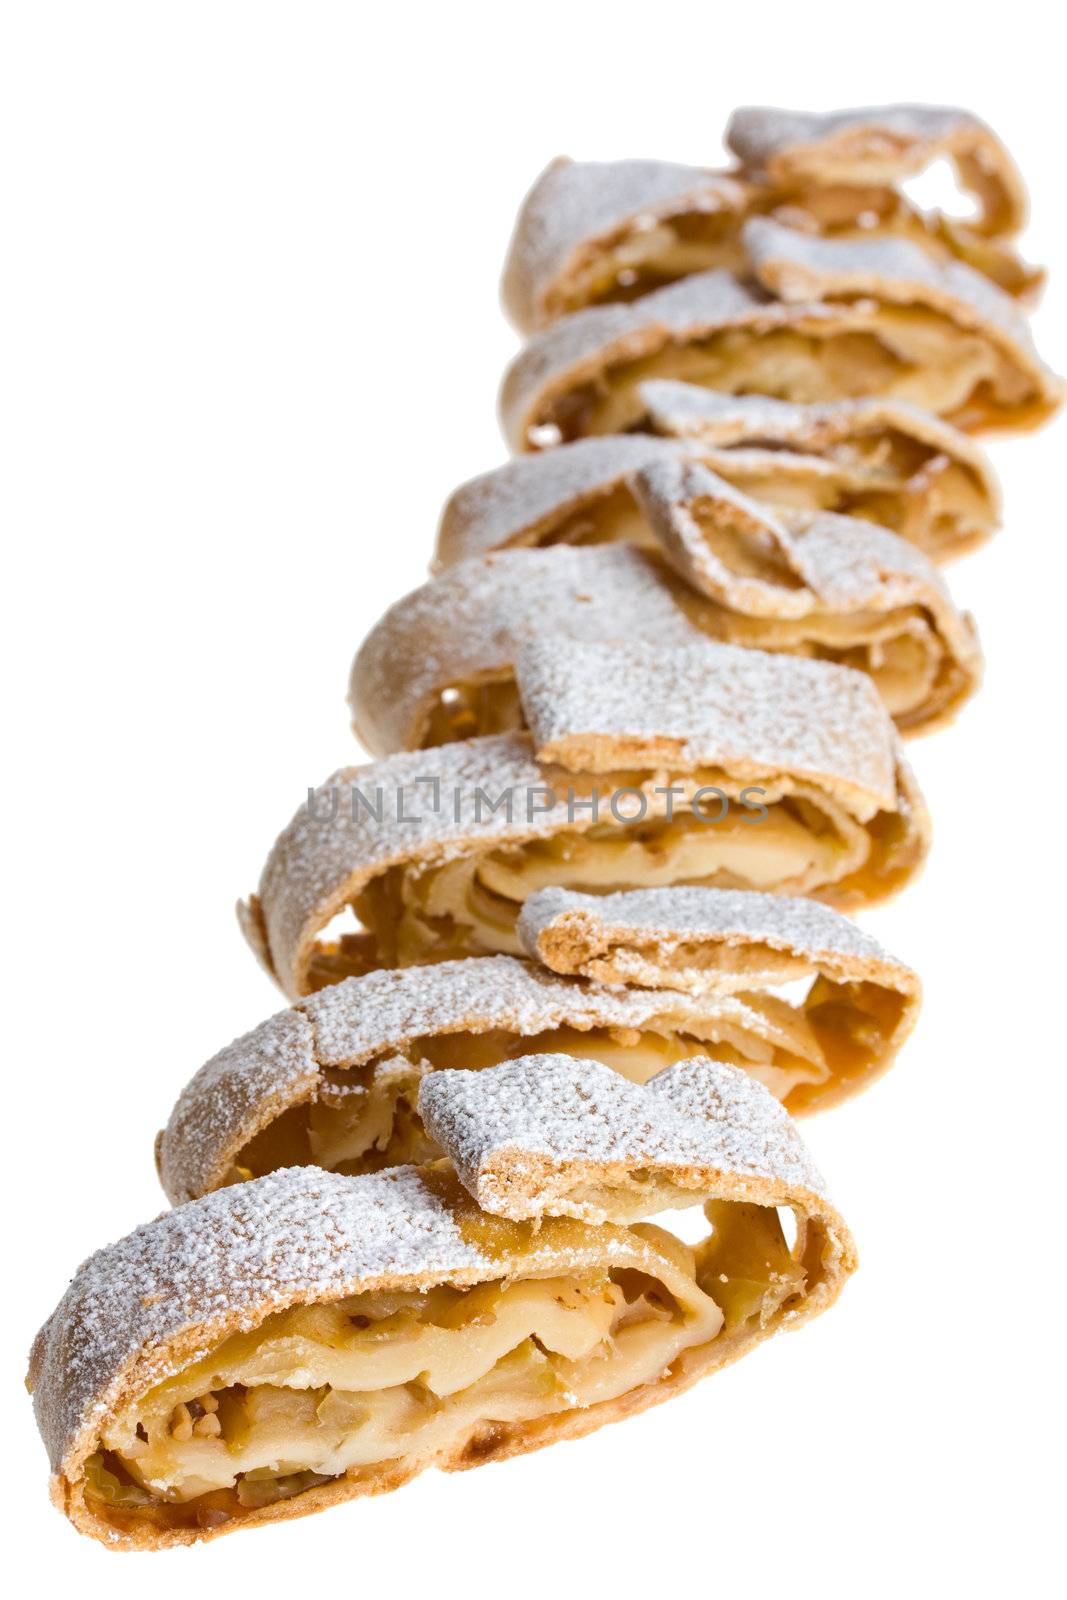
252,341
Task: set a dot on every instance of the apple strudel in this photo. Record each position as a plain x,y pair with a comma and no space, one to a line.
642,768
334,1083
282,1345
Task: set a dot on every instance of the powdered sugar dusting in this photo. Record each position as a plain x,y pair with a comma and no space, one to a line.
416,651
784,922
697,1113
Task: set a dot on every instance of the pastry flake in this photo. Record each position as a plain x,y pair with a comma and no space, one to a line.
346,1098
591,231
281,1345
956,347
813,583
884,460
641,771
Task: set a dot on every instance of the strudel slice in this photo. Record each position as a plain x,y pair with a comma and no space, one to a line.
335,1081
880,459
812,584
644,767
282,1345
879,318
594,231
878,147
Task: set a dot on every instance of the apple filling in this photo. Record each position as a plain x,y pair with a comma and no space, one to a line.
334,1391
906,352
365,1118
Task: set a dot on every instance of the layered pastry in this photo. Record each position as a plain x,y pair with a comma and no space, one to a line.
643,767
817,584
335,1081
420,680
813,584
846,319
880,459
285,1344
593,232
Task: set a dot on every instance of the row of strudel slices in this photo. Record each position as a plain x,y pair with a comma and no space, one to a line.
284,1344
787,989
594,232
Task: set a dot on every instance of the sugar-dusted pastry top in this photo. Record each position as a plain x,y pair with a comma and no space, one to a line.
687,914
510,503
552,1123
575,205
882,145
280,1064
684,411
709,704
419,648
